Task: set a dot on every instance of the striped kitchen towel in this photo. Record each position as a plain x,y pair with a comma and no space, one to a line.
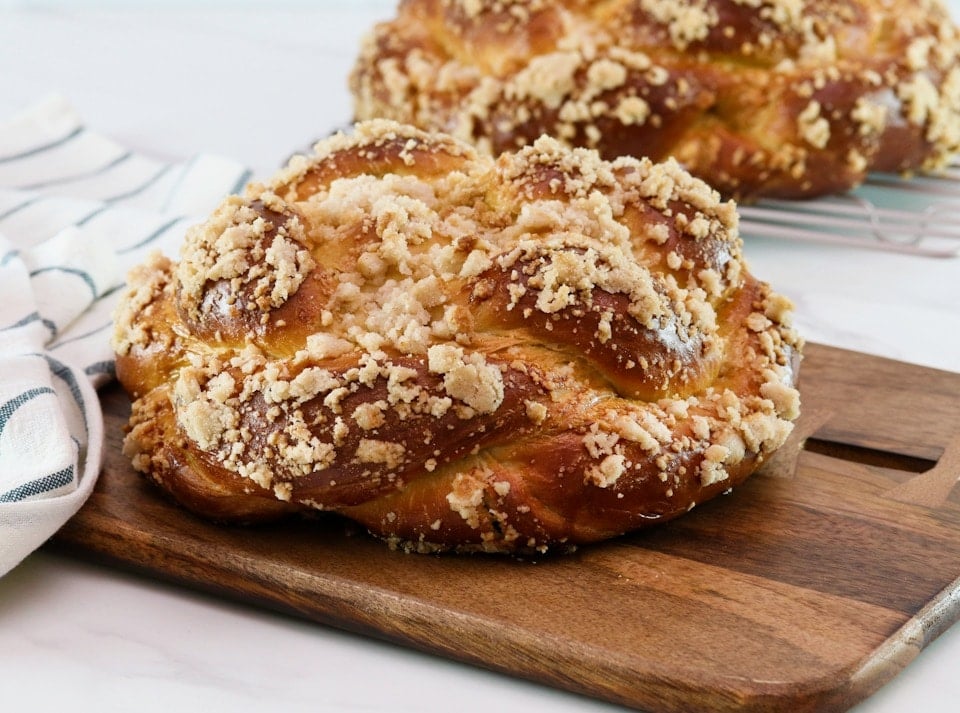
77,210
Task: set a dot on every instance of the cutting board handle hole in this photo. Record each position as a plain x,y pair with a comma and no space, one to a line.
868,456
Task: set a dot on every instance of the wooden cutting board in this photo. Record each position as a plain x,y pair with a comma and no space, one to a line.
805,589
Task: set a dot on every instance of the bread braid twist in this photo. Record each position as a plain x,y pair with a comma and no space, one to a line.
456,351
789,98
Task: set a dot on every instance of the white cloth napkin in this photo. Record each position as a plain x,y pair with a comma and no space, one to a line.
76,212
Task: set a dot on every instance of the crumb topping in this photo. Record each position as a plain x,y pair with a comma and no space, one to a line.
133,314
470,379
813,128
686,21
249,247
441,312
667,77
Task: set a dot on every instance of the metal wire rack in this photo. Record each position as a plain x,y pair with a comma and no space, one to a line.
917,216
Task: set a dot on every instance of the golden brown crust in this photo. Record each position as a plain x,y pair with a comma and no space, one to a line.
456,351
789,98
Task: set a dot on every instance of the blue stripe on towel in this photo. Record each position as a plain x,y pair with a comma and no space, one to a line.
40,485
8,409
93,214
142,187
107,202
89,174
111,290
44,147
63,372
242,181
49,324
29,319
151,181
185,170
77,338
102,367
82,274
20,206
151,237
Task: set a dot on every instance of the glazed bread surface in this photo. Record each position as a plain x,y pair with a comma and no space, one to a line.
784,98
458,352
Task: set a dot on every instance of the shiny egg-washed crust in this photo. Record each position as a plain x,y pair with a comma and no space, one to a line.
456,351
785,98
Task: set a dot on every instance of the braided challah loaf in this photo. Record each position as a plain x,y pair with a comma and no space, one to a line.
789,98
456,351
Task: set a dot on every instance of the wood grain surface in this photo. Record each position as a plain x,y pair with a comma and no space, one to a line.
805,589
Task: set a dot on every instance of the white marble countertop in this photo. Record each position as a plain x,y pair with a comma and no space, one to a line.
254,82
